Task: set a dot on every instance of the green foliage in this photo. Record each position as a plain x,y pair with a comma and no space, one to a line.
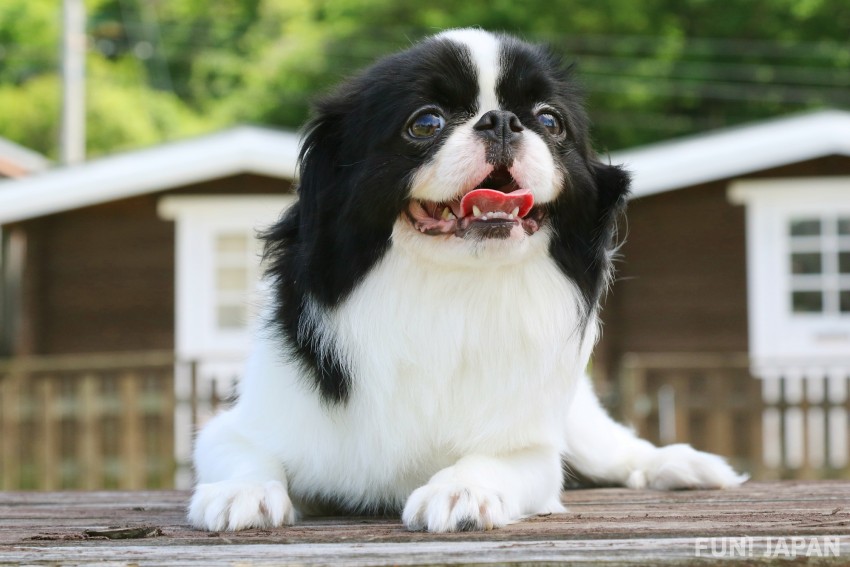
29,113
121,113
28,35
652,69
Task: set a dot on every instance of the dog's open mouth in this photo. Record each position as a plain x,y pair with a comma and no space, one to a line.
490,210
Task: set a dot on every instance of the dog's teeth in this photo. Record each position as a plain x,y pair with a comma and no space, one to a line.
510,217
448,214
476,211
515,212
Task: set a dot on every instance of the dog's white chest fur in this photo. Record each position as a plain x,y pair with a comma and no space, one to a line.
444,362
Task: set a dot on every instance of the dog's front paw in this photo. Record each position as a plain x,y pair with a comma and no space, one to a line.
453,507
680,466
237,505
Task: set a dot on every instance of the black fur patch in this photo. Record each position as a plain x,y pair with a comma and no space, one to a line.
355,166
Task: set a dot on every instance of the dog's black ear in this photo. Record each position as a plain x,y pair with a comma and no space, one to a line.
584,221
612,186
343,220
307,256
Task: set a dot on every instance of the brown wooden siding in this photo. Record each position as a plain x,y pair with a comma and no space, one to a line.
681,282
101,278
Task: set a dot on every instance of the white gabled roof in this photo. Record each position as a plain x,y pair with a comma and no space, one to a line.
244,149
20,158
735,151
656,168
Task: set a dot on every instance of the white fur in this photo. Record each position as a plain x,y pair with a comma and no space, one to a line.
484,50
462,387
465,357
450,369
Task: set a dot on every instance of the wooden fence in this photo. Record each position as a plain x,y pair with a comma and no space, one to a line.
126,421
786,426
87,422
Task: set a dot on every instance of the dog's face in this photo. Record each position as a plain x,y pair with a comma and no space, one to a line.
494,141
469,149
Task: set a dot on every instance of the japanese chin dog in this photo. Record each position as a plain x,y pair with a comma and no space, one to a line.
435,294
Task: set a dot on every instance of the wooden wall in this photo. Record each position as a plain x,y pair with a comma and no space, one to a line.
681,282
101,278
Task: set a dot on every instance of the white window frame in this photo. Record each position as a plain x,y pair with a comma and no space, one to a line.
198,220
779,336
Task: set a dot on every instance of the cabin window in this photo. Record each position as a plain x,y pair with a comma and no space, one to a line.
819,249
798,270
236,276
217,270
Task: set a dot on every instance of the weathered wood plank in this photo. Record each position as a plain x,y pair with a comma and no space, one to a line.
610,552
603,525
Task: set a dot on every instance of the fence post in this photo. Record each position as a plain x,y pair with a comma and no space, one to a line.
132,466
49,449
632,387
719,422
167,411
10,388
88,414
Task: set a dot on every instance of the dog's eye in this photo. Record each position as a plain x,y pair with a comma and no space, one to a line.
551,122
426,125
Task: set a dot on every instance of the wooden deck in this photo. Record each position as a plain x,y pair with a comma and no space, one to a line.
759,523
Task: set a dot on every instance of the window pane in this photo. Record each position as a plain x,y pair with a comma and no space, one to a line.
805,227
844,226
844,262
807,301
232,279
234,243
806,263
844,301
231,316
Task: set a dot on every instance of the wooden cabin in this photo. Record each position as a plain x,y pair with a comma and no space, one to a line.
128,283
729,322
127,291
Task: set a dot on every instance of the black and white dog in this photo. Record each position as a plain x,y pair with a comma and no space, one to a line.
436,290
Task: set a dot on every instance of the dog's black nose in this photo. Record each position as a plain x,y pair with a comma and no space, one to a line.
501,129
499,126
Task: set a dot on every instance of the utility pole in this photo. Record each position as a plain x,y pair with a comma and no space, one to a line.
72,141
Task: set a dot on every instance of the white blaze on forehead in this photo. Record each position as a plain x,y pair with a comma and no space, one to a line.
484,50
460,163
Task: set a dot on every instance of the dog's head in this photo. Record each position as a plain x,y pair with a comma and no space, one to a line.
469,149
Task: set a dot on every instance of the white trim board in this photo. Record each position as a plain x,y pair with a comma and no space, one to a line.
731,152
244,149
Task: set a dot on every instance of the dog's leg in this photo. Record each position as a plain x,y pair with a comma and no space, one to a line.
239,485
609,453
482,492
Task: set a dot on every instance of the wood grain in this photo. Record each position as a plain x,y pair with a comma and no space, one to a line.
615,526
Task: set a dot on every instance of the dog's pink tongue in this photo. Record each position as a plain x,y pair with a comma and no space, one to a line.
491,201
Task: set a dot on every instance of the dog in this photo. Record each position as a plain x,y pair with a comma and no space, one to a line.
434,305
